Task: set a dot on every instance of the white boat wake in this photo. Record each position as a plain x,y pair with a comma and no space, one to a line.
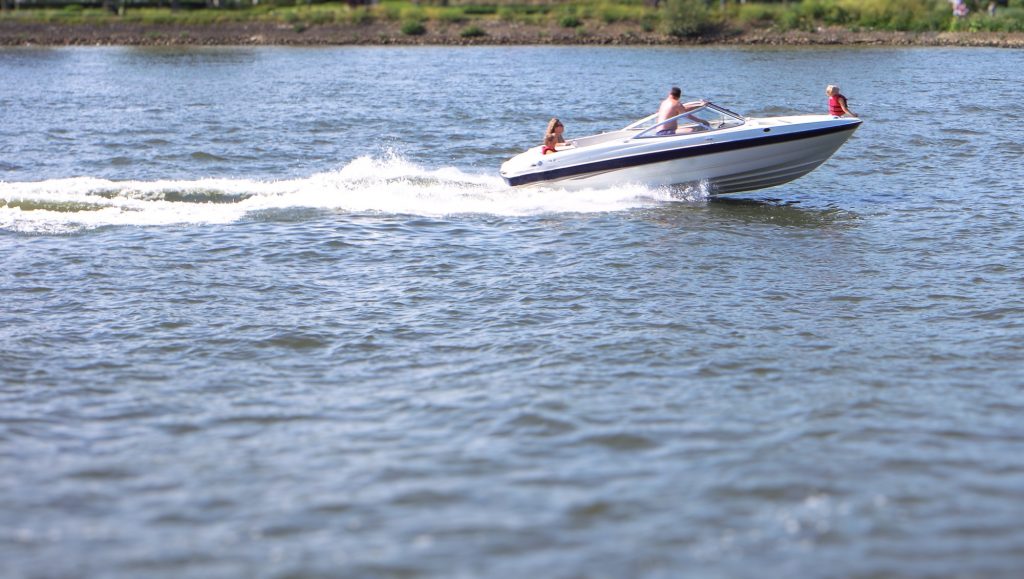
387,185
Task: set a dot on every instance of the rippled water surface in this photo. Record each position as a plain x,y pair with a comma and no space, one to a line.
271,312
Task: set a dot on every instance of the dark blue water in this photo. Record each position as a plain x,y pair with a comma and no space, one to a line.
271,312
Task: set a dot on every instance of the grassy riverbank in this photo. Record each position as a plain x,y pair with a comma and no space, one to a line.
904,22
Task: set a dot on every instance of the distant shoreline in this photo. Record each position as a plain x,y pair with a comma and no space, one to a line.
14,33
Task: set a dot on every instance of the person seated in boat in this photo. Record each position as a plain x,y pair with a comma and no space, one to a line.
671,107
556,127
550,142
837,102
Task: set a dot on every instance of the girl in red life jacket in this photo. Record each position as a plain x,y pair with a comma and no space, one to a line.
837,102
549,144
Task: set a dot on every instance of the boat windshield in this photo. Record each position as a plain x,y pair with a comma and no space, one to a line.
708,117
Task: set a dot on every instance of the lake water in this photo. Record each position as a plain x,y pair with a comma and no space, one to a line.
272,312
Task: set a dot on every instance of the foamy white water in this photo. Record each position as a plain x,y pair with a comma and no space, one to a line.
388,184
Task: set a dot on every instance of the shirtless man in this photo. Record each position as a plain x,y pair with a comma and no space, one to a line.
671,107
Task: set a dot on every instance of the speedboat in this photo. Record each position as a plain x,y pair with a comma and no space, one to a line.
706,144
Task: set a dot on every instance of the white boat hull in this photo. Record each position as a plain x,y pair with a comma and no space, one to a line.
762,153
731,171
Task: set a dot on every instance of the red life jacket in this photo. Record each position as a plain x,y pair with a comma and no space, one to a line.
834,108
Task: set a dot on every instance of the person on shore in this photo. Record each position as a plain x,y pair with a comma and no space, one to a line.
837,102
671,107
550,144
960,9
556,127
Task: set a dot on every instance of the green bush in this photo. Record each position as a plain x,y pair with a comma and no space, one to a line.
480,10
360,15
751,12
318,15
506,14
1005,20
391,12
146,17
413,28
472,32
612,12
452,15
649,22
569,21
915,15
687,18
889,15
788,20
827,11
410,13
1013,18
525,14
